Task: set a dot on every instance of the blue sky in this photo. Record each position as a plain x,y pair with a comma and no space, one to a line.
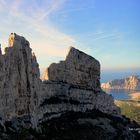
109,30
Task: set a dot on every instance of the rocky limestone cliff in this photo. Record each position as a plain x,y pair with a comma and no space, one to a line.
71,85
19,80
74,85
69,97
131,82
78,69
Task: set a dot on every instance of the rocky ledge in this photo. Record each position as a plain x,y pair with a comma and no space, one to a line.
34,109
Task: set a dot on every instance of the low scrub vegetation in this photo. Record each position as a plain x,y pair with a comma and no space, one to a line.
130,109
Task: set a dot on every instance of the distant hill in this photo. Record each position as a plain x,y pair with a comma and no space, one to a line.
131,82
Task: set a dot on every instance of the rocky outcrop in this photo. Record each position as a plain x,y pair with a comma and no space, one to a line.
74,85
78,69
132,82
71,85
19,80
70,92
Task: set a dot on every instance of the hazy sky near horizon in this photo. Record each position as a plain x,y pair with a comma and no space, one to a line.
109,30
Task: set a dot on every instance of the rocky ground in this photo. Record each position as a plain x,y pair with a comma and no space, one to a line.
77,126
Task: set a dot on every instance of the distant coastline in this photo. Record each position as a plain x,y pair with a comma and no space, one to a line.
120,94
130,83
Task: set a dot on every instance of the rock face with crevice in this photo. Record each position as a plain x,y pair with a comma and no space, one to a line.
19,80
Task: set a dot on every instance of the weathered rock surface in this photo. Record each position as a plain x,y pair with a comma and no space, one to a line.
78,69
74,85
71,87
132,82
19,80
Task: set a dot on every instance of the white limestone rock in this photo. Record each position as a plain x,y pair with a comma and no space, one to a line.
19,80
131,82
74,85
78,69
71,85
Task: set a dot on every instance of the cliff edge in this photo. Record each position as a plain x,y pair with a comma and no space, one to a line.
74,85
69,98
19,80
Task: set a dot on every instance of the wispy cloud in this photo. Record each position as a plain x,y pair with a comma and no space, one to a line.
46,39
54,5
97,40
104,35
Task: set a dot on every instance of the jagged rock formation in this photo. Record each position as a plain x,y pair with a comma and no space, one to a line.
78,69
132,82
19,80
74,85
71,87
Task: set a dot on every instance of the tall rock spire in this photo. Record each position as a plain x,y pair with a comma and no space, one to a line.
19,79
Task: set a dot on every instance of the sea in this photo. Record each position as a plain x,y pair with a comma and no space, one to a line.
120,94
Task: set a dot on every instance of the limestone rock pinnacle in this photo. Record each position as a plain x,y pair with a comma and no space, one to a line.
19,80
